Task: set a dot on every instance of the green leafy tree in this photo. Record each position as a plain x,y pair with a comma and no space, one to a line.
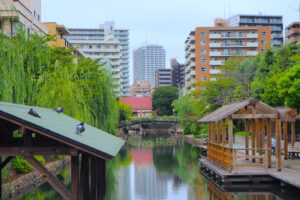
162,99
289,87
125,111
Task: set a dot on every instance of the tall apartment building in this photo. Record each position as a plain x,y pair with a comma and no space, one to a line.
178,74
163,77
292,33
97,37
141,89
208,47
109,49
25,14
275,22
146,60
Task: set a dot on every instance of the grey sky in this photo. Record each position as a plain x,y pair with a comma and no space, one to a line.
165,22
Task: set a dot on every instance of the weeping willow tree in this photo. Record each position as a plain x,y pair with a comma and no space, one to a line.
32,73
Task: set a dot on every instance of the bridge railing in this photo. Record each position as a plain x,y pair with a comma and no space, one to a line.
139,120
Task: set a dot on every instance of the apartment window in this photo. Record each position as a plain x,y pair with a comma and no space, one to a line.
227,52
227,34
213,41
214,59
90,46
99,46
252,32
203,51
203,78
227,42
263,50
116,46
34,13
238,34
252,41
263,41
263,33
214,50
203,69
203,43
238,42
203,60
238,51
202,34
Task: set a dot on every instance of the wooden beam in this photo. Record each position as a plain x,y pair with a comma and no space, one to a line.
31,151
213,135
224,132
58,186
218,133
269,145
251,116
209,132
285,140
246,139
5,162
293,134
35,130
278,143
253,138
230,132
75,176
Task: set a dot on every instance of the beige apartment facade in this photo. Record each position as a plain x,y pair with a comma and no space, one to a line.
21,13
207,48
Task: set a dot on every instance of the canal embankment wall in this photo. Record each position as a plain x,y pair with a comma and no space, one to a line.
29,182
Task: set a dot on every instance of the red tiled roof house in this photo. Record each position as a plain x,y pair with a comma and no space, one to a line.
141,106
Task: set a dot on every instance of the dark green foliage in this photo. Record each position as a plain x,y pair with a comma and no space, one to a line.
125,111
21,166
162,99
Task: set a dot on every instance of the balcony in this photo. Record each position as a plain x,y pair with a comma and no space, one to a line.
190,57
292,31
233,36
251,53
215,71
233,45
222,54
216,62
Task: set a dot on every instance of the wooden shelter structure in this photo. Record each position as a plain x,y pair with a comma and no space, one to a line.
258,118
52,133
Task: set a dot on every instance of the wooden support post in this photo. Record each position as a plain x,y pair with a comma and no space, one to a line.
209,132
218,133
213,133
262,137
253,139
5,162
230,132
58,186
75,176
0,179
293,132
285,138
269,145
224,132
278,143
257,126
246,139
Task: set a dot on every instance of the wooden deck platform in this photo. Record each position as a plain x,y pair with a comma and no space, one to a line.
254,175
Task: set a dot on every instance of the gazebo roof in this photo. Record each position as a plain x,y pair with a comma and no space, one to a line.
229,109
62,128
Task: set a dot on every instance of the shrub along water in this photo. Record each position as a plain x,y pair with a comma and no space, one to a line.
32,73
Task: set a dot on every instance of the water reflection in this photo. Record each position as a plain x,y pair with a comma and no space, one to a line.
164,169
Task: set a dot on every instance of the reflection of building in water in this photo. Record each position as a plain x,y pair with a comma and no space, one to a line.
148,183
123,184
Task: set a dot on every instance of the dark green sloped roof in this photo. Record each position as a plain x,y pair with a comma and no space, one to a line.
64,127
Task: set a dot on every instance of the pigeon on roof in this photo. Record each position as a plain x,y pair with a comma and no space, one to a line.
59,109
80,128
33,113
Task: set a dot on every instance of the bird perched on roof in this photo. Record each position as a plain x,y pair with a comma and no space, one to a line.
80,128
59,109
33,113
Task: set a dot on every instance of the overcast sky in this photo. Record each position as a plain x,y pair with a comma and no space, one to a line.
164,22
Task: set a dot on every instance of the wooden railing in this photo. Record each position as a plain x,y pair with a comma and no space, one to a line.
220,155
232,158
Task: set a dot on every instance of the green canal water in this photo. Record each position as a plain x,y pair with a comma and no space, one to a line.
161,169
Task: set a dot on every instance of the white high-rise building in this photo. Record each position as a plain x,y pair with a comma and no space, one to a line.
107,38
146,60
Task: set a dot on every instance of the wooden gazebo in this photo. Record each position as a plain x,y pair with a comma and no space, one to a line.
47,132
258,117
